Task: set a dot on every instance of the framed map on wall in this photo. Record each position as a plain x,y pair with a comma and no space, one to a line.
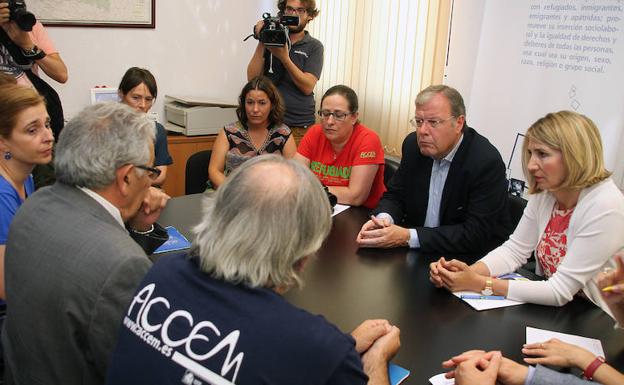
95,13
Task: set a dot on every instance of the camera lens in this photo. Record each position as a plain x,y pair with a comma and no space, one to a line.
25,20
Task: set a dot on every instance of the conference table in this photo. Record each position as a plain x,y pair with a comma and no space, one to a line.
347,285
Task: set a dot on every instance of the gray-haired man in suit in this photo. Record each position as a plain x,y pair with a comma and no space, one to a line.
71,266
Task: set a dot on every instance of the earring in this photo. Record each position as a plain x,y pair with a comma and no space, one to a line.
7,155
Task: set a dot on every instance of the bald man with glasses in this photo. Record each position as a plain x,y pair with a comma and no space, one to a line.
449,195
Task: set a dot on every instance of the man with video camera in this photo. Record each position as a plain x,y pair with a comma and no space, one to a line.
24,48
295,69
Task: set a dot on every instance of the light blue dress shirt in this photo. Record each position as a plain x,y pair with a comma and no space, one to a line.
439,173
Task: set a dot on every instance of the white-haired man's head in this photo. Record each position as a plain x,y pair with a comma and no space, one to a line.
264,220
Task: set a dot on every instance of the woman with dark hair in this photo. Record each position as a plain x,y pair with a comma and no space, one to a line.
259,130
26,140
343,153
138,90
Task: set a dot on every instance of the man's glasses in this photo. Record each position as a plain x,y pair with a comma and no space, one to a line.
152,172
294,11
339,116
433,123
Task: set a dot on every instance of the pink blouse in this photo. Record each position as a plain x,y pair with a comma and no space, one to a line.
552,248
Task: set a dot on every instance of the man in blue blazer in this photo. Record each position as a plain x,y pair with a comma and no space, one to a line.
449,194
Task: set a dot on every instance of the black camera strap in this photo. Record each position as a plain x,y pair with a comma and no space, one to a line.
14,50
53,102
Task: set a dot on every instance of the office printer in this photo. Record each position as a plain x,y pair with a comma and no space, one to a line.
191,115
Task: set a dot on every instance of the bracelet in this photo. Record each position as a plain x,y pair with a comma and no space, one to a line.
35,53
588,374
143,232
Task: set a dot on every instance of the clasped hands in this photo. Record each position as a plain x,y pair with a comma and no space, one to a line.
382,233
376,340
480,367
455,275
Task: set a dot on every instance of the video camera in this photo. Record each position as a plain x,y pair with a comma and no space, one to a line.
25,20
274,32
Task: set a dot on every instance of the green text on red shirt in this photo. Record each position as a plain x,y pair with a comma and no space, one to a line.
325,170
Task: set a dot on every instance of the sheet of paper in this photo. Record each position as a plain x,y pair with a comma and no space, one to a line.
485,304
534,335
339,208
439,379
397,374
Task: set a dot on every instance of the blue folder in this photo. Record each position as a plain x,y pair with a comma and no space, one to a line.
176,241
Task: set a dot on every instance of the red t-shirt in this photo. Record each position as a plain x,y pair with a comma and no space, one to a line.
362,148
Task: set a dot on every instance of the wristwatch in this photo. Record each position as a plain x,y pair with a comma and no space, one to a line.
35,53
488,287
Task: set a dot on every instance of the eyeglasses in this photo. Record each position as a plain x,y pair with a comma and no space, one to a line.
138,99
338,115
152,172
433,123
292,11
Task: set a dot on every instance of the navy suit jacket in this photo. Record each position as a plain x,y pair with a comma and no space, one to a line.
474,214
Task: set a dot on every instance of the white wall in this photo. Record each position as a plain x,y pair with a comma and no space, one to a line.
504,97
464,40
195,49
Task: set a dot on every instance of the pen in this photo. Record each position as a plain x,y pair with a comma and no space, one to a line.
476,296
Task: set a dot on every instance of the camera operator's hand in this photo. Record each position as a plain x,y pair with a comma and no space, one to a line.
257,29
280,53
18,36
5,13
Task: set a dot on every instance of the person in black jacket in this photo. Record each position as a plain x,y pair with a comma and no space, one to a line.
449,194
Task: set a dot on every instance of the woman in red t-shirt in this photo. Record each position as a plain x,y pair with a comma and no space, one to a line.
344,154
